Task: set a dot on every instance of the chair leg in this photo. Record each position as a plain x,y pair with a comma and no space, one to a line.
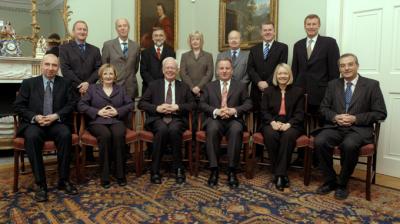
197,159
307,165
190,157
16,169
21,153
141,152
83,162
249,172
368,179
137,159
77,164
251,160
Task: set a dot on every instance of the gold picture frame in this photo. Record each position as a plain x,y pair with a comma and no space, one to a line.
245,16
148,15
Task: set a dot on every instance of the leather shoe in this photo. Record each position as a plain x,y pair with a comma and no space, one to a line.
155,178
232,179
121,181
67,187
105,184
180,176
280,183
326,188
286,182
41,194
213,179
341,193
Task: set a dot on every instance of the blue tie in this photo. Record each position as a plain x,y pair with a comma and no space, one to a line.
347,95
266,51
48,99
125,49
82,48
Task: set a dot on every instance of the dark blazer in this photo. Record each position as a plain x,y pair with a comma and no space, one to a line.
54,50
155,96
126,66
294,102
151,66
314,74
196,71
263,70
367,104
79,68
238,98
96,98
29,101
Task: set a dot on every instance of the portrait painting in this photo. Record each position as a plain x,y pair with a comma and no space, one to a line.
156,13
245,16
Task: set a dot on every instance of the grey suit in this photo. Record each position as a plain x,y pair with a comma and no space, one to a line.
126,66
239,65
367,105
196,71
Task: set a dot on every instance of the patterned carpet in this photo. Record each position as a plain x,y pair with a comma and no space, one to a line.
255,201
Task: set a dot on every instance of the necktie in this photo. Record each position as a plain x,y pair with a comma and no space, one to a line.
282,110
82,48
266,50
48,100
347,95
125,49
309,49
234,56
167,118
158,53
224,94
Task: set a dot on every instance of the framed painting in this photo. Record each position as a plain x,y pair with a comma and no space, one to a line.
245,16
156,13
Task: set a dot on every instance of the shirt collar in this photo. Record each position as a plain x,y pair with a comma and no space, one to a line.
354,81
237,51
77,42
122,41
227,82
314,39
161,47
270,43
45,79
167,82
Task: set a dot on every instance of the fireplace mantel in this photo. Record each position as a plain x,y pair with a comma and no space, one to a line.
16,69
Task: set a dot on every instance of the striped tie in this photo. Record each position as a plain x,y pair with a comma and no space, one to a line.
266,50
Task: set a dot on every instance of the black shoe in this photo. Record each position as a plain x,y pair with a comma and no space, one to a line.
67,187
41,194
232,179
326,188
213,179
105,184
280,183
298,163
155,178
121,181
180,176
341,193
286,181
274,179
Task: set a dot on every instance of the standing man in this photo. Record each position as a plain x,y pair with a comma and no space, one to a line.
150,63
350,107
45,106
80,61
239,58
263,59
314,64
224,102
124,54
167,103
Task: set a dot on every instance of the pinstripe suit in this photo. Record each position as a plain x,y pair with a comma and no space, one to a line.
367,105
239,65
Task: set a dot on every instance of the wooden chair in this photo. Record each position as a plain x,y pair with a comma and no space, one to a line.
368,151
49,147
201,138
87,139
147,136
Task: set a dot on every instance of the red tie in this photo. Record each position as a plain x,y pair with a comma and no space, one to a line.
158,53
282,110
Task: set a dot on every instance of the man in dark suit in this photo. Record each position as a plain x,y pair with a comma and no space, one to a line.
167,103
53,44
350,107
224,103
44,104
314,64
238,56
124,54
80,61
150,63
263,59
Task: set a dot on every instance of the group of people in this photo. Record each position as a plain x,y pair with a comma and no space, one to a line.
344,108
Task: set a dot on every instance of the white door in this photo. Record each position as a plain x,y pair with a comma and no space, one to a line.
371,30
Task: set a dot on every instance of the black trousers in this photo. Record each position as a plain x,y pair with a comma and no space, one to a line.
111,141
35,136
215,130
280,145
165,134
349,143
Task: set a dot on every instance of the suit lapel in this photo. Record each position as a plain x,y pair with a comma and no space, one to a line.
316,49
357,91
340,94
116,45
218,88
40,86
75,48
231,89
177,92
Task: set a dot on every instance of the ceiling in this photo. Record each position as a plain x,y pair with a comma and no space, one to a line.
27,4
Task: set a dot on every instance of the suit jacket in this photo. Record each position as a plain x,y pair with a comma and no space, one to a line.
263,70
294,105
314,74
367,104
238,98
77,67
29,101
151,66
196,71
239,66
126,67
155,96
96,98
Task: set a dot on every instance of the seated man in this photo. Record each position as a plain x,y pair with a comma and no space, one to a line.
45,106
224,102
350,107
167,103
